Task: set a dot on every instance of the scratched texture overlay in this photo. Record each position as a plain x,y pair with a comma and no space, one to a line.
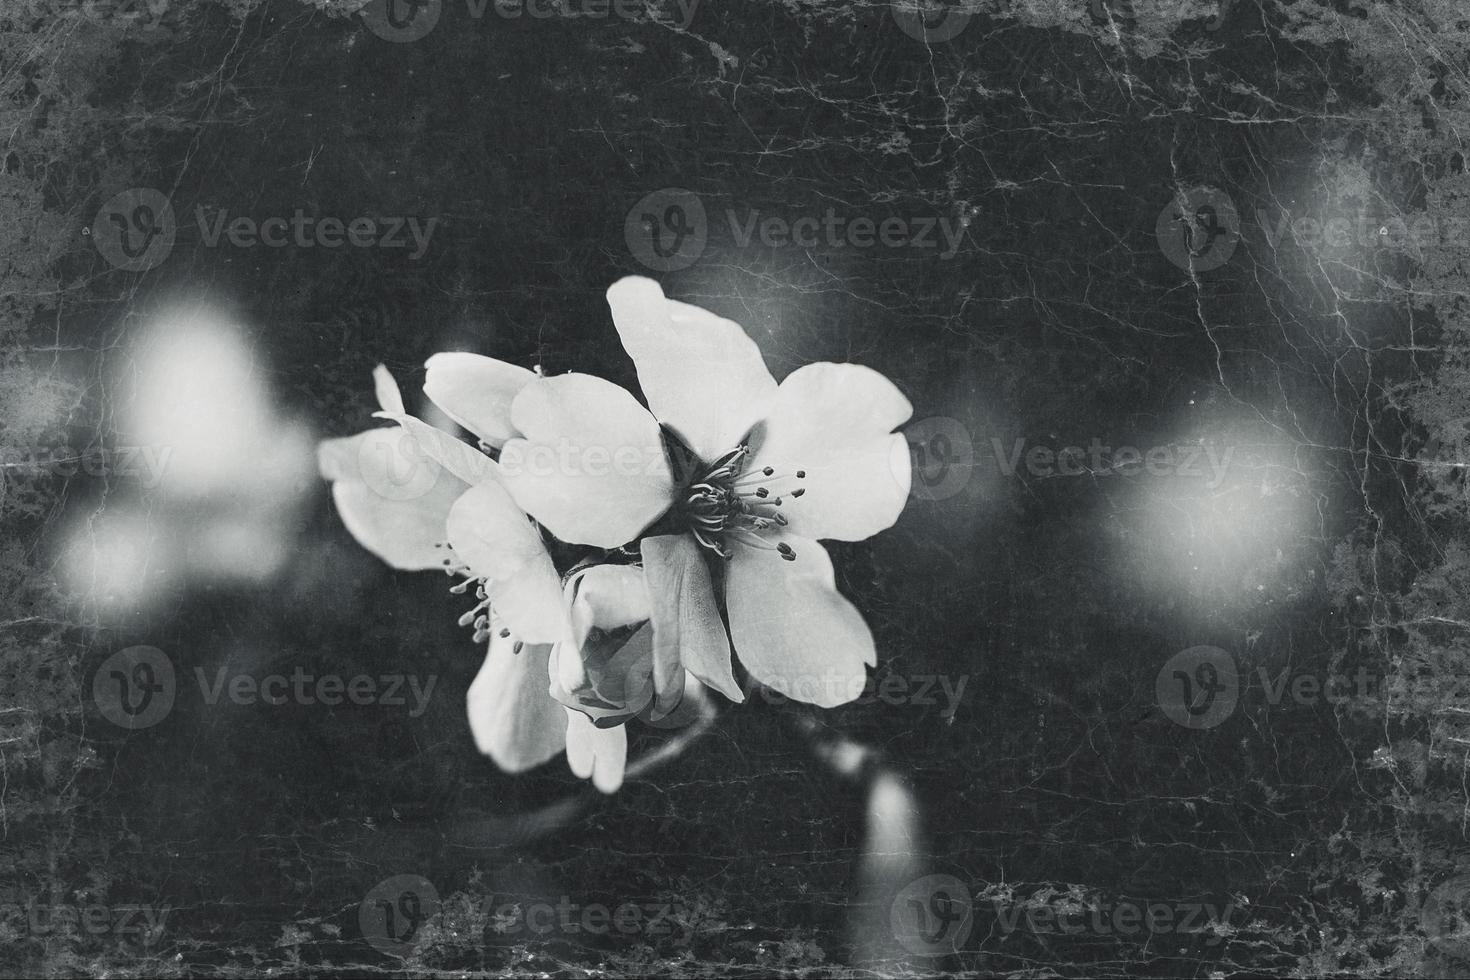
1168,591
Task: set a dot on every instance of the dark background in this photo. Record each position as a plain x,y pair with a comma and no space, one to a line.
1061,136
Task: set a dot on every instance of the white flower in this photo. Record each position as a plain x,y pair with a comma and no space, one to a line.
763,472
420,499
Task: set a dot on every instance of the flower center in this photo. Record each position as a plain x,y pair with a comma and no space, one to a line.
726,504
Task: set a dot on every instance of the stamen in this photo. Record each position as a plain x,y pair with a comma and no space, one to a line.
724,505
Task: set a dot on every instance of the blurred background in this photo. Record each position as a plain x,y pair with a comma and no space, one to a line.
1123,186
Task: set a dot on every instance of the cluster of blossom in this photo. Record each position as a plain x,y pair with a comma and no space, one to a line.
738,480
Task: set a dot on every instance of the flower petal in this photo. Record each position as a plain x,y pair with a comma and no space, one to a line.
686,622
601,753
702,374
608,597
591,466
607,677
402,521
499,544
835,423
438,448
607,684
791,628
476,391
385,387
514,721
